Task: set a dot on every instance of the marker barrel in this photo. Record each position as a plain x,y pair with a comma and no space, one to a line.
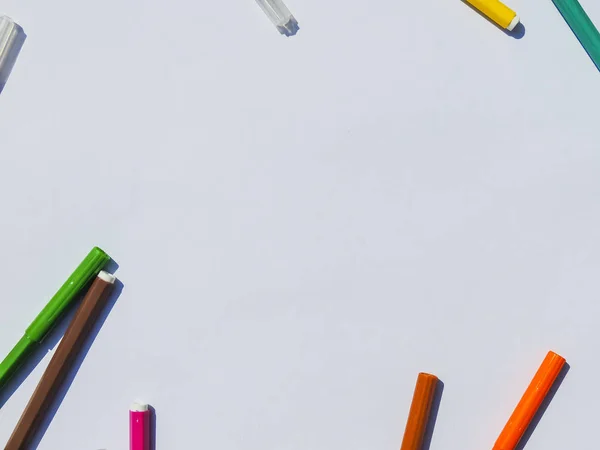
582,26
497,12
87,270
62,361
530,402
139,427
418,417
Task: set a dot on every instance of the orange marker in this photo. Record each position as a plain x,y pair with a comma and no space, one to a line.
530,402
419,412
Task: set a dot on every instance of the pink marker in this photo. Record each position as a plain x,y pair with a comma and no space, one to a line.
139,427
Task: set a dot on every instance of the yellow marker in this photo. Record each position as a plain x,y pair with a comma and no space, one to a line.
497,12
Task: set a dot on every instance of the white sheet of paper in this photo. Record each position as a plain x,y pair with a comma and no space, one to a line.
303,224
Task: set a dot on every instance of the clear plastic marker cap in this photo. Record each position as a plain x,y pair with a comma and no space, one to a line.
280,15
12,38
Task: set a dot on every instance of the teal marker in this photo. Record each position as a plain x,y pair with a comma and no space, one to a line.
43,323
581,25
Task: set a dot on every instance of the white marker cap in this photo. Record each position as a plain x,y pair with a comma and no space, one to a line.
108,277
513,23
139,407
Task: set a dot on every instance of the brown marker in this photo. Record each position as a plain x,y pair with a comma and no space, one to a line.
419,412
60,364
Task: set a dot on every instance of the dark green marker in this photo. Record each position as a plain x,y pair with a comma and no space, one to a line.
582,26
43,323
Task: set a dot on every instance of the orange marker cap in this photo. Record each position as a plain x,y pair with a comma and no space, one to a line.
530,402
419,412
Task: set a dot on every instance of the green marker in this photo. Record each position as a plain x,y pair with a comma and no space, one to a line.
43,323
581,25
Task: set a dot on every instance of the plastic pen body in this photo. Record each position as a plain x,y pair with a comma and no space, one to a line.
582,26
47,318
420,409
139,427
497,12
530,402
62,361
15,359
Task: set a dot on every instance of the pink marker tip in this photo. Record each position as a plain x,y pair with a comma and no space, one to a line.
139,427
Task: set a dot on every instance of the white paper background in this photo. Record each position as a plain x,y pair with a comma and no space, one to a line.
304,224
